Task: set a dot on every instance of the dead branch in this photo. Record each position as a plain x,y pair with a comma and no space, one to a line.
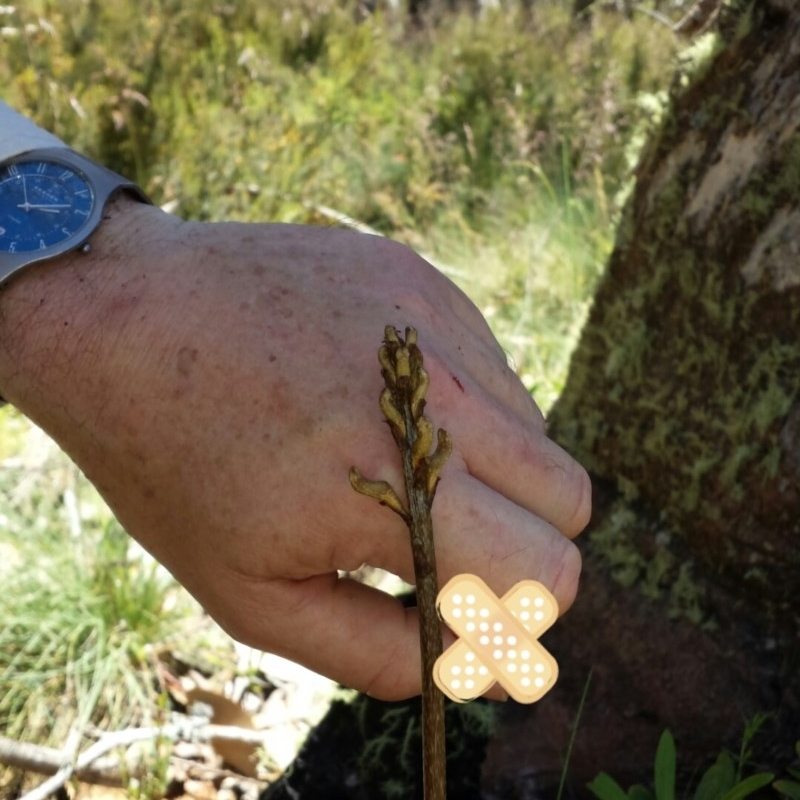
93,765
48,760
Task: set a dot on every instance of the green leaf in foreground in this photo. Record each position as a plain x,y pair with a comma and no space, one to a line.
789,788
718,779
665,768
719,782
748,786
639,792
606,788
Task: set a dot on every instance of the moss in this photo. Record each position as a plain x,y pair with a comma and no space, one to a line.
639,554
687,599
685,374
614,543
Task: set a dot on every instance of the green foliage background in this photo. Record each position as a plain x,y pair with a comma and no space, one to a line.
498,143
253,109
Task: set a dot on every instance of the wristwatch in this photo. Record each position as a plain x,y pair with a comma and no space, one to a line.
51,201
51,198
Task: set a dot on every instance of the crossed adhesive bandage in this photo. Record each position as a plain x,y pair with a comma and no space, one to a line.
497,640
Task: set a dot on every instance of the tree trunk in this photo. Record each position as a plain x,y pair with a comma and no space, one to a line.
683,401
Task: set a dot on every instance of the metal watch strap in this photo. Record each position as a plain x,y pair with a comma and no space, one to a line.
18,134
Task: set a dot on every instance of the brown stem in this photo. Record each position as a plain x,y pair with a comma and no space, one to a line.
430,634
402,403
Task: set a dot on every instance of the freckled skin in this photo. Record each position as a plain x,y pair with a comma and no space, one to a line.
219,382
186,359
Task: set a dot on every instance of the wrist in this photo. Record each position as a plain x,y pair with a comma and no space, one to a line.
51,329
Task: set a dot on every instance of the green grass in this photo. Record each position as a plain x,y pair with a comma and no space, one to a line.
85,613
534,283
81,608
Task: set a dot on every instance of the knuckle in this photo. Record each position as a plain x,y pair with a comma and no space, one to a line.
582,492
396,676
386,686
567,578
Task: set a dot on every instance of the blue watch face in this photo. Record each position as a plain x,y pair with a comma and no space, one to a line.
42,203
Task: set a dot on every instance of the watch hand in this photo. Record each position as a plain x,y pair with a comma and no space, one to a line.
26,206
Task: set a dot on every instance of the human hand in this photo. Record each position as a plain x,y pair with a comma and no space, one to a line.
216,382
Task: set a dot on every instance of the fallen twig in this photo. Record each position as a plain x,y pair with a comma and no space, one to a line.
91,766
48,760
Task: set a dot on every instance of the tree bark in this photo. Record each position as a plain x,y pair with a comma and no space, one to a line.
683,401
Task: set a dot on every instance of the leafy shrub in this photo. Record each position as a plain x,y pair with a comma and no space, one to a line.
723,780
254,110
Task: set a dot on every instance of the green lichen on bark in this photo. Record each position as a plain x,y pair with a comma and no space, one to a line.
686,382
640,552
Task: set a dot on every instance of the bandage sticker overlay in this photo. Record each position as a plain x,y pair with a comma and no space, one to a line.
497,640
